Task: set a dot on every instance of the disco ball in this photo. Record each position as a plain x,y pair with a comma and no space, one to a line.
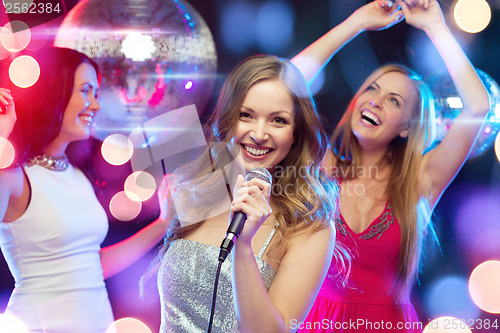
155,56
449,106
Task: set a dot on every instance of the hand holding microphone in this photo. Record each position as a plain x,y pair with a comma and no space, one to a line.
250,205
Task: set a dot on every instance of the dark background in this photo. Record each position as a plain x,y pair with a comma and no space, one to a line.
479,177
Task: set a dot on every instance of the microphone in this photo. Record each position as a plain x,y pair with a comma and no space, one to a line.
239,218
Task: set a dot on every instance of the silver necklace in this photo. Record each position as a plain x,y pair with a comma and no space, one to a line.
50,162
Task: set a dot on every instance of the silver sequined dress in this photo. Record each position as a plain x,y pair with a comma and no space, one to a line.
186,280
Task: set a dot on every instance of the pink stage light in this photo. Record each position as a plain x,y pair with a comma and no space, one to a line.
24,71
141,185
15,36
484,286
117,149
123,208
7,153
128,325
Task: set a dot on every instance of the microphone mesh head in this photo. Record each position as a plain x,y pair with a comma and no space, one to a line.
260,173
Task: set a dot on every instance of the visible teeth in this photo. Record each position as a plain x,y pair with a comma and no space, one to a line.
256,152
370,117
86,118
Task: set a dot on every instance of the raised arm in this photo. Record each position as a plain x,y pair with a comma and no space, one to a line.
119,256
11,180
376,15
440,165
7,113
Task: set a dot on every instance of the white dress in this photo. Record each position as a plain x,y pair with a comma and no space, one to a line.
52,251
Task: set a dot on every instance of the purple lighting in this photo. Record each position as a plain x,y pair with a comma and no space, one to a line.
189,85
480,243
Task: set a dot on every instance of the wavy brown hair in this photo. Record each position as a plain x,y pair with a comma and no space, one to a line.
312,204
404,156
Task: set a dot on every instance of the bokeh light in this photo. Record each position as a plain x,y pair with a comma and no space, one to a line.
18,40
484,286
274,27
128,325
447,325
497,147
237,26
123,208
117,149
7,153
4,53
472,15
24,71
449,296
11,324
140,185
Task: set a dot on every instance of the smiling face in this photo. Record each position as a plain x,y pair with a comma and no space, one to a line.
80,111
383,110
265,129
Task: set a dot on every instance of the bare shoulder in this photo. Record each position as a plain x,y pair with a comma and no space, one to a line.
12,181
320,240
11,193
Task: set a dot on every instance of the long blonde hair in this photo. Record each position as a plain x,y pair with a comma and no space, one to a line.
312,204
404,156
315,196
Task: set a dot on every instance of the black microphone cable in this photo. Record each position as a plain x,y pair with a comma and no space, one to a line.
214,297
233,232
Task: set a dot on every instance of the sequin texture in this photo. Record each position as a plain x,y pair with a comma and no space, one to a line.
186,280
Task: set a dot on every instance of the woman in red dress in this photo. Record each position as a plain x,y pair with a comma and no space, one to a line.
389,187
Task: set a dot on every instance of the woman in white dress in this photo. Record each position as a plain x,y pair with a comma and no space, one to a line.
52,223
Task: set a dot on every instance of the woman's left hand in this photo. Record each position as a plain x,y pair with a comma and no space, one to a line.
377,15
251,198
424,15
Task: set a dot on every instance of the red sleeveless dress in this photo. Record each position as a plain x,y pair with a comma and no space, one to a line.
368,303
